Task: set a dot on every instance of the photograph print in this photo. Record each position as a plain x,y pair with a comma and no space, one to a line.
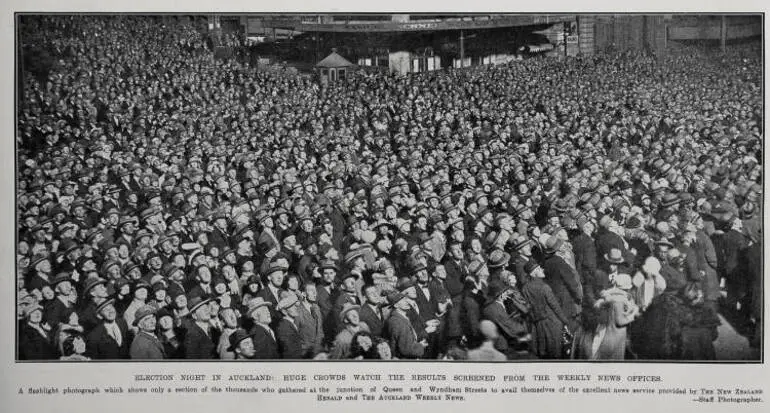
476,187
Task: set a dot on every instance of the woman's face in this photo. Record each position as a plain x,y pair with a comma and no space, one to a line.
166,323
293,284
36,316
383,350
48,293
365,342
79,345
141,294
179,261
476,246
180,301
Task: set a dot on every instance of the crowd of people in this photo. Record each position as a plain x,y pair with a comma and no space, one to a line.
175,206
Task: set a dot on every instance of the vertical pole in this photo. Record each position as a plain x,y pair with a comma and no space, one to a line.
564,27
723,33
462,49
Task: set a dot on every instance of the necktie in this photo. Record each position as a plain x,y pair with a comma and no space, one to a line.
114,332
269,331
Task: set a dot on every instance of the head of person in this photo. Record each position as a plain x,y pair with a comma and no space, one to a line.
383,349
201,312
228,317
311,292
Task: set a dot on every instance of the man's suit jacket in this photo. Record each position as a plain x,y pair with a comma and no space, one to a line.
325,302
403,339
584,248
219,239
57,313
289,340
560,277
88,318
509,327
340,300
34,346
455,277
428,306
310,324
268,296
101,346
265,345
197,344
267,240
373,318
607,240
146,347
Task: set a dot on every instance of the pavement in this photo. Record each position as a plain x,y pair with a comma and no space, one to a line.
731,345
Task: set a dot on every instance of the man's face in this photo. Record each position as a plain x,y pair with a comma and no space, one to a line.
292,311
349,284
329,274
440,272
352,317
65,288
311,294
457,252
44,267
108,313
156,263
262,315
422,276
148,324
246,349
99,290
204,275
276,278
203,313
372,295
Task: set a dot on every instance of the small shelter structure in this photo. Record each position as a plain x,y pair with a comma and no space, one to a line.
333,68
